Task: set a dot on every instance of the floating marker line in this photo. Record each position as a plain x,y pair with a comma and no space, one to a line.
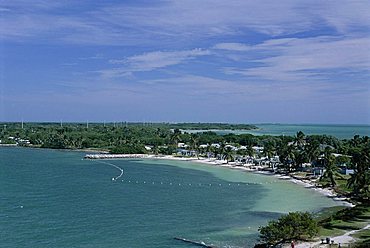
115,166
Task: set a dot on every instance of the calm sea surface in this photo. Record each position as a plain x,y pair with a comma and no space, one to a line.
339,131
56,199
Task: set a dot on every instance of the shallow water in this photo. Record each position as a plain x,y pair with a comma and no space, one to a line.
55,199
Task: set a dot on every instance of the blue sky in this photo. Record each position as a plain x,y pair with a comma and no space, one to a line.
195,61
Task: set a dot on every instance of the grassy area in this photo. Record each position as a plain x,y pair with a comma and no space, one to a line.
341,186
364,236
345,220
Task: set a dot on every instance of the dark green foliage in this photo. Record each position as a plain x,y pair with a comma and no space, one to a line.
360,180
210,126
129,149
330,168
293,226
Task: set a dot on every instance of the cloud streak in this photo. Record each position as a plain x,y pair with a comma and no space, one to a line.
137,23
297,59
159,59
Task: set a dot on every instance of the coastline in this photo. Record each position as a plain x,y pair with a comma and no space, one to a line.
235,166
310,185
330,193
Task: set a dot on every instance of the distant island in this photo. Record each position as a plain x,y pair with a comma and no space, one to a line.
211,126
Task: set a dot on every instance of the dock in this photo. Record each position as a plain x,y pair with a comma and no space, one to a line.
114,156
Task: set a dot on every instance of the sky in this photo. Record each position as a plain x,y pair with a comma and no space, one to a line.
234,61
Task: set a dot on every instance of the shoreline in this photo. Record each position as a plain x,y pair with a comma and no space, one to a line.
101,154
310,185
330,193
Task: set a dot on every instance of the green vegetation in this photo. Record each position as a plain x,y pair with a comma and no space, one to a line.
210,126
338,222
293,226
302,155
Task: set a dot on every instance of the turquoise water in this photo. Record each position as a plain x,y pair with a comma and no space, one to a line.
55,199
339,131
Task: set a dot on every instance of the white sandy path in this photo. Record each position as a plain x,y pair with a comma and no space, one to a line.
342,239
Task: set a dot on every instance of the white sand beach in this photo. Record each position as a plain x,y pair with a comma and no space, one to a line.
232,165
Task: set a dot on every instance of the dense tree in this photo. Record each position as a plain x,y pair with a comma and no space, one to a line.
293,226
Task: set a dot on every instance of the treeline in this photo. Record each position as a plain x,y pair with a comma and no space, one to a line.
293,151
211,126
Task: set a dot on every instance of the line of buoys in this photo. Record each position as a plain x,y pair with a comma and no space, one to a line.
182,184
115,166
179,184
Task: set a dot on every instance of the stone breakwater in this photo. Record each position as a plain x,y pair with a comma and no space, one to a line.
112,156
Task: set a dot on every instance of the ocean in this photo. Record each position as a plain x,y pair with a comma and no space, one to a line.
51,198
338,131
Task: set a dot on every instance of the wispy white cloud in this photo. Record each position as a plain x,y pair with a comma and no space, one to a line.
151,61
138,23
233,47
295,59
159,59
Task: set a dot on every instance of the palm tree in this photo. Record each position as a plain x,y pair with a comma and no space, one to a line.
250,151
330,168
299,140
176,137
360,179
228,154
194,143
287,156
268,150
221,149
313,150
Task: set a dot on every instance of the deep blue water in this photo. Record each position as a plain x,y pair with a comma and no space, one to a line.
55,199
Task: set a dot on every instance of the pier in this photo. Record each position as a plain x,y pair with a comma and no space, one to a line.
113,156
